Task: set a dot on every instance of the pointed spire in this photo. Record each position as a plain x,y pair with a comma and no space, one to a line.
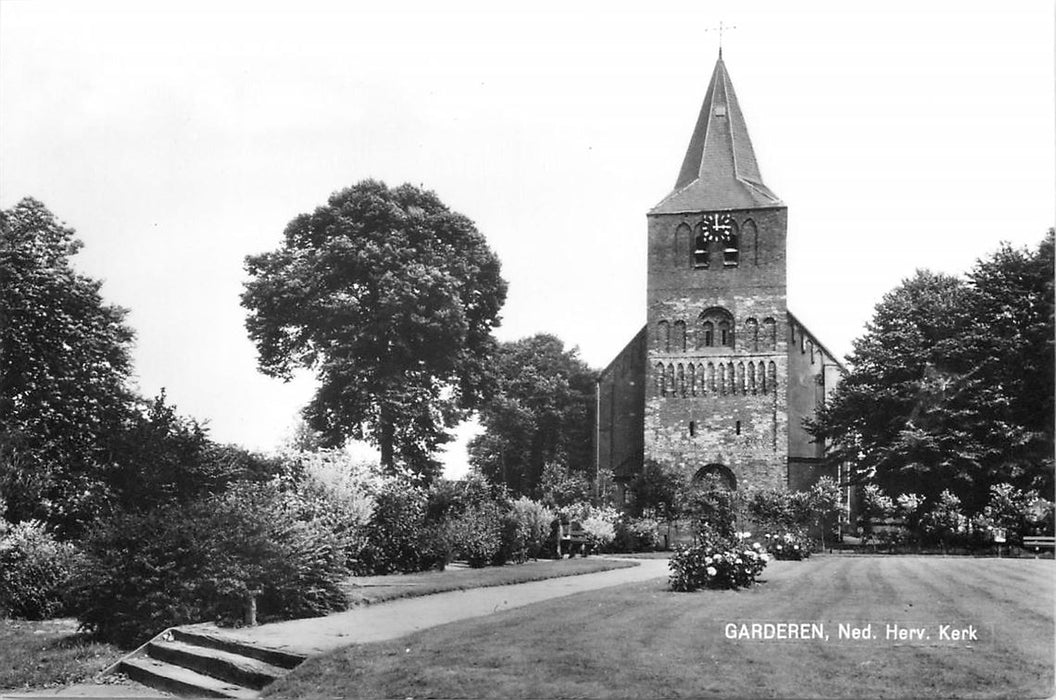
719,170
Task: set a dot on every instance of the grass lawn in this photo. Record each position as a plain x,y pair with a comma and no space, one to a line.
641,640
363,590
49,654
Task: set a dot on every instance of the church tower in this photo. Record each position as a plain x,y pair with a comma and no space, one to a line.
716,365
719,382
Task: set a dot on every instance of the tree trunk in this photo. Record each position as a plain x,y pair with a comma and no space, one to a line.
387,438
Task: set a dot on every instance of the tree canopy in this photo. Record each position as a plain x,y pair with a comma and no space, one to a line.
542,412
64,366
391,299
951,386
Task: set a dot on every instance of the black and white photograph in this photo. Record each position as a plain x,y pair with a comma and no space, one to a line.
565,350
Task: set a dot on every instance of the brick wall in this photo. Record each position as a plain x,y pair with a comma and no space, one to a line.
621,404
737,422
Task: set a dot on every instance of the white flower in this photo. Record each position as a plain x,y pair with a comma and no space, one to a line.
712,571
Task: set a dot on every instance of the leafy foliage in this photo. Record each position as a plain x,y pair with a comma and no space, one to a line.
541,413
391,298
636,535
716,562
952,384
64,367
477,534
561,487
532,528
179,564
398,536
34,571
787,546
945,521
656,491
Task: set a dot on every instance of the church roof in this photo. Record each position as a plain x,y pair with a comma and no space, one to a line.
720,170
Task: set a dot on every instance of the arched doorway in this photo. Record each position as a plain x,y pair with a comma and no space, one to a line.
715,477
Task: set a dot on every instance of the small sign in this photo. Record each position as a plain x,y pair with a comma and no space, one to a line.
999,534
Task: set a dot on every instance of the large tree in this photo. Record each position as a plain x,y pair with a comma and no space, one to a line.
64,369
391,298
951,386
542,412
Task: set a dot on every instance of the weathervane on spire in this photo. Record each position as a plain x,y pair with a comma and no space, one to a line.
720,29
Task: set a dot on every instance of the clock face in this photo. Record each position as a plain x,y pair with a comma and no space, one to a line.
716,227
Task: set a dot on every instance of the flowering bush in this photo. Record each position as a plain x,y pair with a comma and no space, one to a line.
532,527
945,522
788,546
337,489
716,563
599,522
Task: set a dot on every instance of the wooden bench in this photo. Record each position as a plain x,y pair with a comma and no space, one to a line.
572,538
1038,541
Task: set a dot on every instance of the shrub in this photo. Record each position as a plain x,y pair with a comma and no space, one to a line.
337,489
476,534
600,527
712,509
398,537
945,522
717,562
788,546
34,571
636,535
174,565
561,487
532,527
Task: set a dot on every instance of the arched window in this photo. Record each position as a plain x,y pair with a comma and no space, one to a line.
725,334
661,383
671,389
678,341
717,328
751,378
722,378
731,251
740,378
750,237
762,378
681,381
663,336
701,250
770,333
773,377
692,381
683,237
751,326
711,378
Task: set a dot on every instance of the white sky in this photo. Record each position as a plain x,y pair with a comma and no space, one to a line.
178,137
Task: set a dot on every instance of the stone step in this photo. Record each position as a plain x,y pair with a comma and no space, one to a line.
227,666
180,681
275,657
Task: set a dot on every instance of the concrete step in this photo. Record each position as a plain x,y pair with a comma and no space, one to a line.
180,681
275,657
227,666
